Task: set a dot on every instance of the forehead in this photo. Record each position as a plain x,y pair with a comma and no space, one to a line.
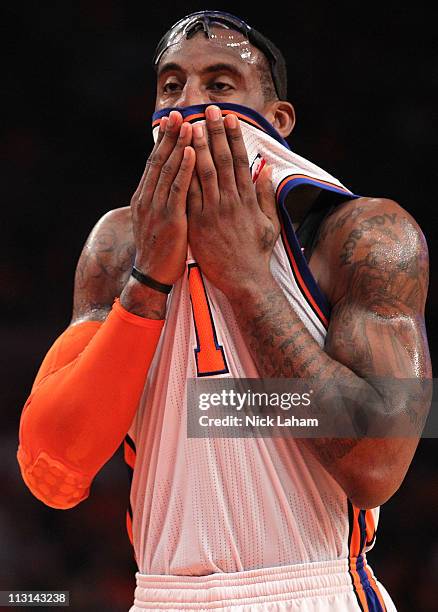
223,47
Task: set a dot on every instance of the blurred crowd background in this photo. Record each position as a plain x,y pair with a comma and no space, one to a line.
78,93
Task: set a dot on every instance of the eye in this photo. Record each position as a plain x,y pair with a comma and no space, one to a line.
171,87
220,86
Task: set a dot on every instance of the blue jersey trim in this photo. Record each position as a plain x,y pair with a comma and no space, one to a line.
370,594
303,267
295,182
186,111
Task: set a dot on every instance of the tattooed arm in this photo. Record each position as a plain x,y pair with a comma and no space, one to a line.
371,260
372,264
103,273
89,384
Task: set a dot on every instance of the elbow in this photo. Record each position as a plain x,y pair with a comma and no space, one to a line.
377,471
372,491
52,482
366,500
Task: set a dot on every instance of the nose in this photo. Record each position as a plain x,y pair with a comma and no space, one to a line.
192,94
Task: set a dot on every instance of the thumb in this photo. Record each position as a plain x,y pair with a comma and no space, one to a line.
266,196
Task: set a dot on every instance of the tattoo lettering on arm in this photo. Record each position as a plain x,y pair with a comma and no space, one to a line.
334,223
377,221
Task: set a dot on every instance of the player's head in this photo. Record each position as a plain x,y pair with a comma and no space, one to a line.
212,56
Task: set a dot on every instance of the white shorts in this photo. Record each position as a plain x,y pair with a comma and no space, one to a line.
314,587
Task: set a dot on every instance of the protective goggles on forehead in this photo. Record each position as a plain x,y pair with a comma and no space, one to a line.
203,21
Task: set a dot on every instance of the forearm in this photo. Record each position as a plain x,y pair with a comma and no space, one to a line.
78,415
282,347
279,342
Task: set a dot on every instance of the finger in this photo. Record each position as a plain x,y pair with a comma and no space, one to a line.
161,131
220,148
266,196
194,196
177,201
239,154
205,167
171,167
161,153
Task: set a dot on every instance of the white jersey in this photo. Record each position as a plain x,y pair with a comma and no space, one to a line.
205,505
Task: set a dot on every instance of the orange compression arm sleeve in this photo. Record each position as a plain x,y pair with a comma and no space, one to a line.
82,403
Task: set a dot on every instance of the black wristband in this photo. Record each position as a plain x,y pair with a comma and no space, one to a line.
150,282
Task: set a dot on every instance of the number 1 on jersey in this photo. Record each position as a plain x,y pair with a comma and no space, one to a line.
209,354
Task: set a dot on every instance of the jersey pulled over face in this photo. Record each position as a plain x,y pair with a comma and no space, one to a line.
201,70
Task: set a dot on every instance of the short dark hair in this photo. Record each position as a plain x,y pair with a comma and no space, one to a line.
266,82
271,89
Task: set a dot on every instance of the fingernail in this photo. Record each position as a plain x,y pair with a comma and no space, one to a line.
198,130
214,113
232,121
163,123
172,119
183,130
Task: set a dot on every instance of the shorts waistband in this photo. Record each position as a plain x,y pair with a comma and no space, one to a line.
242,588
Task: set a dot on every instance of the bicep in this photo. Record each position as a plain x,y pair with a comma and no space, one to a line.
103,267
381,268
101,272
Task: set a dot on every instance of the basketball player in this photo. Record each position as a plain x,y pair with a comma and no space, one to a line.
215,271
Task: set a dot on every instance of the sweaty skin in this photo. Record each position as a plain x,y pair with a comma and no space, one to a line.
370,260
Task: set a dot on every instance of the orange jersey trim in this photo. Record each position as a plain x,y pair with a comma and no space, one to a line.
195,116
312,178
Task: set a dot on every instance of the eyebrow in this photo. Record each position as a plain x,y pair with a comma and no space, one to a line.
222,67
